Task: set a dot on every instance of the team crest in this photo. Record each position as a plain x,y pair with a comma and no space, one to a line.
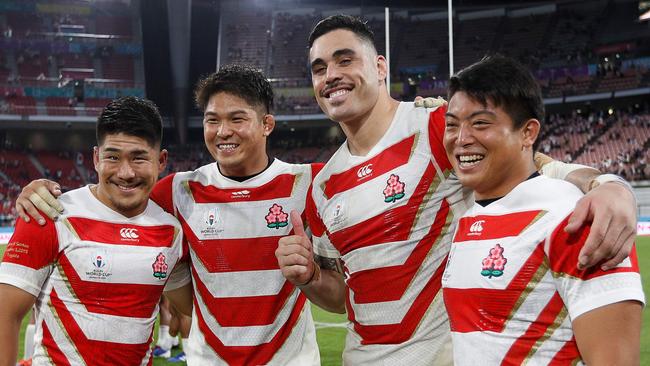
394,190
494,263
160,267
276,218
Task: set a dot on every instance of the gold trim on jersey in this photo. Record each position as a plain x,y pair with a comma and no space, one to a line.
530,286
63,330
557,322
535,219
186,185
70,228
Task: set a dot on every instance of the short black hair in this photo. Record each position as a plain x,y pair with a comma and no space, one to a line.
239,80
504,82
131,116
341,21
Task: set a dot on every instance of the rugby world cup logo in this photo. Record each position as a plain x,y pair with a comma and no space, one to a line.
211,217
99,261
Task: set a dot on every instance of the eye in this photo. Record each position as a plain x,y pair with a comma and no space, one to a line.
318,70
345,61
111,157
450,124
480,123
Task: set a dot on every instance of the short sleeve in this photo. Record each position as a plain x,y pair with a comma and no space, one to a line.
162,194
30,253
585,290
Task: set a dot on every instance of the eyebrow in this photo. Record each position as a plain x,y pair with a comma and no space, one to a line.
134,152
482,111
232,113
337,53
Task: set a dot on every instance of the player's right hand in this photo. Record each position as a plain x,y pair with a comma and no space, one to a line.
41,195
295,254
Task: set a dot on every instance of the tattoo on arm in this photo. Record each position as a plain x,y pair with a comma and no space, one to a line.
330,264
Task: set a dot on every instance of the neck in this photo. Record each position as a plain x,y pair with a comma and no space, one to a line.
363,133
515,177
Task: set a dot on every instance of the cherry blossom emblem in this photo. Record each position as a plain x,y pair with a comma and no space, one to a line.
494,263
394,190
160,267
276,218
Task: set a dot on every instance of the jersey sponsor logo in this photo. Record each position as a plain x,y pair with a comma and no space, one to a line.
100,269
495,263
160,267
364,171
276,218
241,194
129,233
213,223
476,228
394,189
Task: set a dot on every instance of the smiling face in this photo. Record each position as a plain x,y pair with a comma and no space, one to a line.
487,153
346,74
127,169
235,134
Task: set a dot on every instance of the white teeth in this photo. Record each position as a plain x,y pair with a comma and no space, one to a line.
467,161
470,158
227,146
338,93
124,188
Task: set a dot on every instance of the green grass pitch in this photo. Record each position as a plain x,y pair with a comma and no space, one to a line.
331,334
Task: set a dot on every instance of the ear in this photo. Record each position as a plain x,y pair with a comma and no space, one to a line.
162,160
529,133
96,158
382,67
268,123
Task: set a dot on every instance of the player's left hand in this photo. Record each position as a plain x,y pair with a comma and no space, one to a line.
611,209
429,102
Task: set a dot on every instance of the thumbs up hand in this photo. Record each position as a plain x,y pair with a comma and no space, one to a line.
295,255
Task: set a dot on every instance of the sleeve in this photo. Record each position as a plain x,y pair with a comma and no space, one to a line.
29,255
585,290
162,194
436,135
322,245
179,277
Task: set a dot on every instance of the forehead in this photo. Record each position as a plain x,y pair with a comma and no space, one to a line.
224,103
462,101
125,143
325,45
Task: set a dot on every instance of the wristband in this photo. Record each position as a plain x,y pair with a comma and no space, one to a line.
315,276
607,178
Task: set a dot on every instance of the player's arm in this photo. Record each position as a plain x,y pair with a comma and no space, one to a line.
39,194
609,205
321,282
604,306
181,298
610,335
15,305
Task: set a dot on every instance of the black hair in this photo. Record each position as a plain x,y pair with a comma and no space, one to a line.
504,82
132,116
340,21
239,80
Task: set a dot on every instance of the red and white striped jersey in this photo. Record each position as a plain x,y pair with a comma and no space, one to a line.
245,311
511,286
98,277
388,217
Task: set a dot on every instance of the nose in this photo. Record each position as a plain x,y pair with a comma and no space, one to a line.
333,74
224,130
465,136
125,171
